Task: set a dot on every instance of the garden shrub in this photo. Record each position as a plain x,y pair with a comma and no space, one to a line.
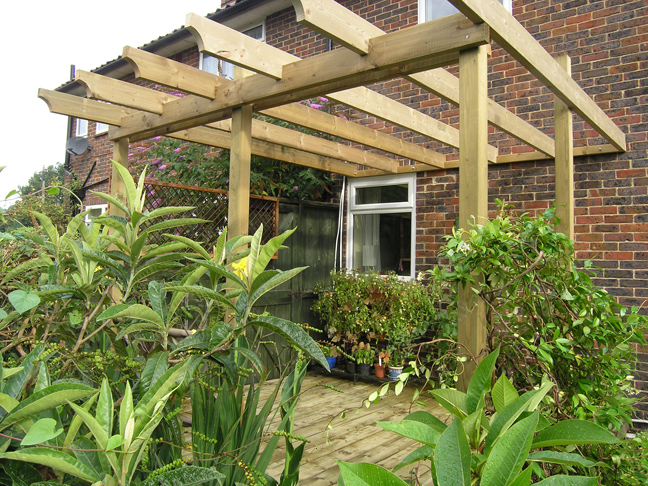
548,316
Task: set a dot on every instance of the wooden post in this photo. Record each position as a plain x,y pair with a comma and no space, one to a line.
117,188
238,215
473,193
564,133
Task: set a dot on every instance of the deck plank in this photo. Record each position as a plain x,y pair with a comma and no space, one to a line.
356,438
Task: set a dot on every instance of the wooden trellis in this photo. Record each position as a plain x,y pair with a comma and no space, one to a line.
212,205
218,112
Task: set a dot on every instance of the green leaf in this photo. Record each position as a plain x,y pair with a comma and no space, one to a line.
294,334
112,311
509,454
564,480
154,368
112,200
452,400
23,301
428,419
46,399
452,456
563,458
114,442
105,407
42,431
195,246
268,250
413,429
203,293
573,432
174,223
185,476
129,186
49,228
22,473
504,394
524,478
142,313
423,453
55,459
14,385
267,281
480,383
251,356
363,474
95,427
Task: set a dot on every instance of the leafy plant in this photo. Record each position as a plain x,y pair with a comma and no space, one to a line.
548,316
475,449
364,354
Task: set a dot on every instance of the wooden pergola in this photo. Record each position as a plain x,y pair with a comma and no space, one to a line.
218,112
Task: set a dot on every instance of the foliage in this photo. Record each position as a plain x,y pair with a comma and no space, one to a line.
374,304
481,450
48,191
199,165
364,354
547,315
108,307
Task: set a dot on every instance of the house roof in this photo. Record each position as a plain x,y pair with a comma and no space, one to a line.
237,15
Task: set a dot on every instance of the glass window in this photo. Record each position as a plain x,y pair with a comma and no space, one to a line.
381,225
81,127
223,68
434,9
96,210
101,128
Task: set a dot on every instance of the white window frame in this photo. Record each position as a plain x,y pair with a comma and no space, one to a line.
81,127
88,217
423,14
226,69
101,128
408,206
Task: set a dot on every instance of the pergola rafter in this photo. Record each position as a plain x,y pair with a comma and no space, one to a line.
369,55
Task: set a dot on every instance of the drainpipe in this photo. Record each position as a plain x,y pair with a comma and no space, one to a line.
66,164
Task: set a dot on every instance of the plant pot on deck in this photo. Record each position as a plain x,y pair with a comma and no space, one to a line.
394,372
331,360
364,368
380,371
351,367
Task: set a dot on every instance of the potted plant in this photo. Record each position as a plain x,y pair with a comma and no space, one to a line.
395,363
330,351
364,356
383,359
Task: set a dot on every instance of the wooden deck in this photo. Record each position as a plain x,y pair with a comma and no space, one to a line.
356,438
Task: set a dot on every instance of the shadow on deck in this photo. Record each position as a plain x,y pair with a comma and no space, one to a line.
356,438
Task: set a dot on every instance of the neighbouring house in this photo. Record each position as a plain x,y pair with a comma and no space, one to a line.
398,222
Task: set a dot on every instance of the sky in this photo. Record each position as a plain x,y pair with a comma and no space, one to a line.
39,50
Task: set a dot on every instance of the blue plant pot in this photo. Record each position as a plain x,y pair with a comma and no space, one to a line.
394,373
331,361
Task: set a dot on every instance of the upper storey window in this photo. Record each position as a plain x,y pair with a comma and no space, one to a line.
223,68
434,9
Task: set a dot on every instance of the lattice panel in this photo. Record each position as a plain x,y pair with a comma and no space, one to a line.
210,204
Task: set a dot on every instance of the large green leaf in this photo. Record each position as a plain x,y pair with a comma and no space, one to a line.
452,456
142,313
480,383
573,432
195,246
177,297
112,200
261,285
55,459
185,476
174,223
203,293
40,432
46,399
452,400
23,301
49,228
527,402
154,368
129,185
363,474
564,480
22,473
423,453
504,394
14,385
165,211
563,458
413,429
428,419
524,478
509,454
95,427
294,334
268,250
40,262
105,407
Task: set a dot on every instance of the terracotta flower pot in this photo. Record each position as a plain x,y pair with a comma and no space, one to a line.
380,371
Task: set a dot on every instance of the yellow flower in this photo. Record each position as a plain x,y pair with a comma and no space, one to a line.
240,268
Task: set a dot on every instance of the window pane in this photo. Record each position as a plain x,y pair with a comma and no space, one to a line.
382,194
382,242
435,9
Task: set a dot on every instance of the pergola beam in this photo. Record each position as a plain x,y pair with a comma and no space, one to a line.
146,65
220,41
354,32
418,48
70,105
520,44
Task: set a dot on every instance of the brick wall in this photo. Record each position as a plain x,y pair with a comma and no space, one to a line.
607,41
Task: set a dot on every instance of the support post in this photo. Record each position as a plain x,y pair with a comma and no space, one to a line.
473,194
564,134
117,188
238,215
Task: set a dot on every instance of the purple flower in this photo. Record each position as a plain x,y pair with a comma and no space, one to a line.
295,188
181,157
157,138
156,161
178,150
323,100
343,117
316,106
162,167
